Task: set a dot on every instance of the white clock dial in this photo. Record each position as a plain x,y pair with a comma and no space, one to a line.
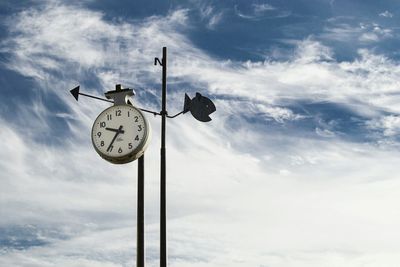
120,134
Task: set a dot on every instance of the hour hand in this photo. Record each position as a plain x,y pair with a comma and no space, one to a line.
115,130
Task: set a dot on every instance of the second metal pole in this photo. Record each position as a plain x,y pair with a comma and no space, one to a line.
140,255
163,199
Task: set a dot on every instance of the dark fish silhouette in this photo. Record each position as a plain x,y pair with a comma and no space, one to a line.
200,107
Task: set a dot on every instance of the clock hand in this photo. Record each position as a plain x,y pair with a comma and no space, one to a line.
115,130
119,130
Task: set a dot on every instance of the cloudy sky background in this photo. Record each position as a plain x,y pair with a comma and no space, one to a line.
297,168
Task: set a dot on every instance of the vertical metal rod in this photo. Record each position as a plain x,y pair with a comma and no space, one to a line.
163,200
140,256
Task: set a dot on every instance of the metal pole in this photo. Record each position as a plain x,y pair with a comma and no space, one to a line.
140,257
163,200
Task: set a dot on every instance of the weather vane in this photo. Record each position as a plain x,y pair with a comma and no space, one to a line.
121,134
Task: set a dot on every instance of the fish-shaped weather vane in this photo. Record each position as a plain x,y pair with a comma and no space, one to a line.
200,107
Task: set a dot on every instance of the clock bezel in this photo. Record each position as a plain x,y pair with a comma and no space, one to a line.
134,154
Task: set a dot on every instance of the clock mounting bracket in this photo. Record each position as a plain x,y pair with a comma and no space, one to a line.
119,95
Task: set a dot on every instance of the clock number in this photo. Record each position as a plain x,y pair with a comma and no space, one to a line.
99,134
140,127
137,138
109,117
120,150
130,146
136,118
118,113
102,124
128,114
102,143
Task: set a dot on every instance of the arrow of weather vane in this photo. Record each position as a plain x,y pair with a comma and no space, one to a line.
199,106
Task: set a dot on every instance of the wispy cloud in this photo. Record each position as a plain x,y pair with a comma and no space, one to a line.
210,15
271,186
259,8
364,32
386,14
390,125
261,11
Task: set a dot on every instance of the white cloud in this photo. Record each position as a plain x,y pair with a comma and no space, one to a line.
209,14
311,51
386,14
324,132
279,114
369,37
259,8
291,200
364,32
377,33
261,11
389,124
214,20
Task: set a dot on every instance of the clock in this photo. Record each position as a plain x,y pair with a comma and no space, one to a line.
120,134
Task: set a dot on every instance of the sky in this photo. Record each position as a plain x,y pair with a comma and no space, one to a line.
298,166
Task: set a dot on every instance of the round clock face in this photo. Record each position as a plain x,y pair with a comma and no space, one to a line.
120,134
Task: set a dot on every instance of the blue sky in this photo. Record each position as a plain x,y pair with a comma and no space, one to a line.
297,168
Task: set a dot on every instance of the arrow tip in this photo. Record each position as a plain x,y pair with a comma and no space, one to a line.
75,92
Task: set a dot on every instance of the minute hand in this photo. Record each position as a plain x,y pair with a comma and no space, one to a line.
115,137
